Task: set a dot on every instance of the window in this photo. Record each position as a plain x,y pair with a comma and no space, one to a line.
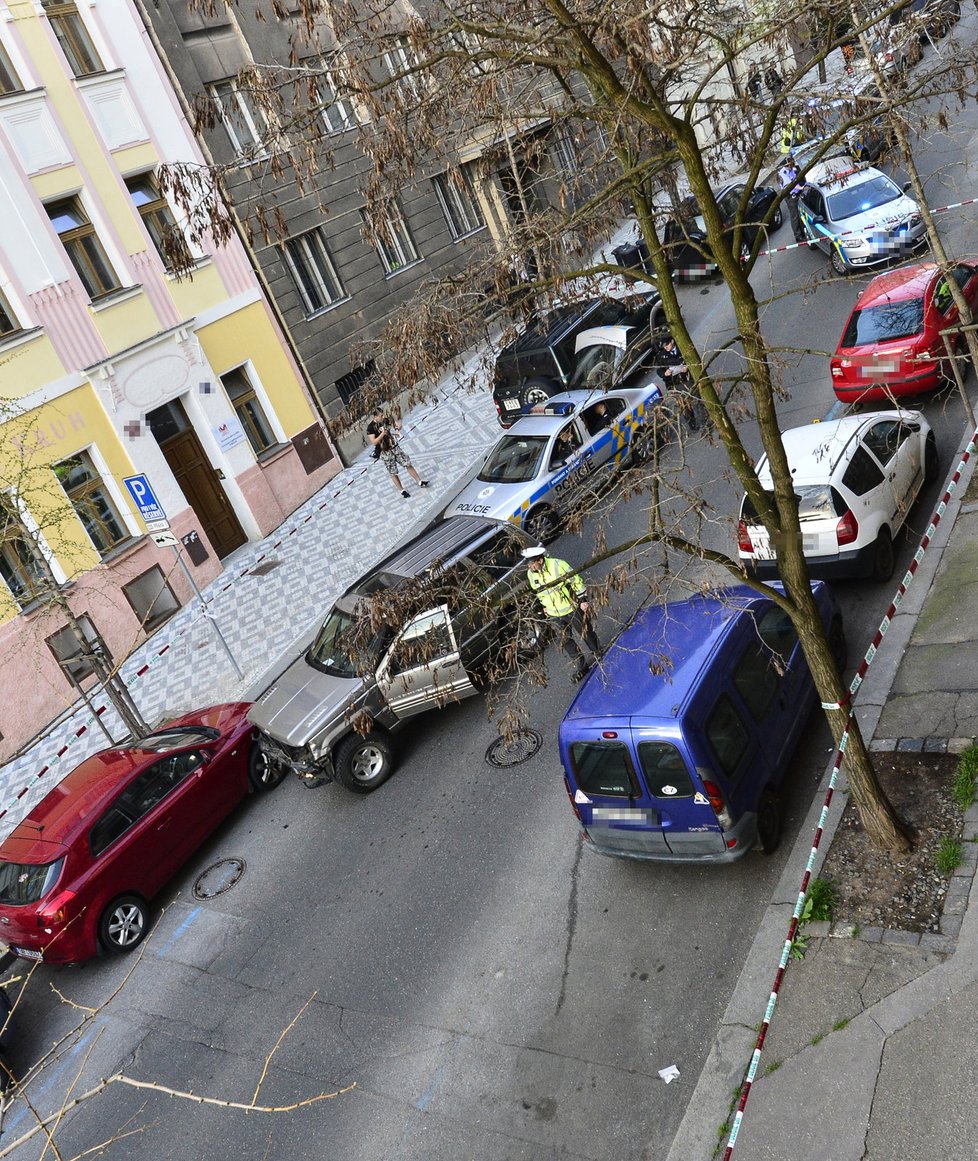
313,272
151,598
862,474
74,658
22,572
727,735
76,44
775,629
603,768
458,202
249,410
90,499
8,322
564,153
159,221
244,122
9,81
500,554
399,57
339,113
665,770
427,640
756,680
83,247
146,791
393,241
885,439
347,386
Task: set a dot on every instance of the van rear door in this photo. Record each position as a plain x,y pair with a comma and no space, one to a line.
689,824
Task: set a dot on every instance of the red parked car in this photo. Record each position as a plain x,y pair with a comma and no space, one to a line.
891,344
77,874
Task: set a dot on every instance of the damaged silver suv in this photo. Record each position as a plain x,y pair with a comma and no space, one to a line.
413,634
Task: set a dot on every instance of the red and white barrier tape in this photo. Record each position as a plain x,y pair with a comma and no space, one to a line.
854,685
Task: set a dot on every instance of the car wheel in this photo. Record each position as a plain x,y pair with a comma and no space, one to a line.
769,823
542,524
932,463
643,444
884,558
530,637
536,391
777,220
362,764
124,924
838,643
263,772
837,262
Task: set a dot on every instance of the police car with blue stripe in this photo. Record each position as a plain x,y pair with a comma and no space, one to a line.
857,215
561,448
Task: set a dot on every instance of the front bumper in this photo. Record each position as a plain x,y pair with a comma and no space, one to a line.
311,770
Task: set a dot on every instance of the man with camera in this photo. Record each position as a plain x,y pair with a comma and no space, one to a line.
383,433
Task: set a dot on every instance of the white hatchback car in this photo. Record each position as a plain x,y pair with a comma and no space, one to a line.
856,479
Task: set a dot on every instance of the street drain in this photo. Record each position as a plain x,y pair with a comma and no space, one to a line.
264,568
514,751
218,878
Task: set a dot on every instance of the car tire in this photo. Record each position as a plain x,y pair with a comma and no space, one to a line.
364,763
542,524
263,773
124,924
535,391
932,463
530,638
778,220
643,444
838,643
769,823
837,262
884,558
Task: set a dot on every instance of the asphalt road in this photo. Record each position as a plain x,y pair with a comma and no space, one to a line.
494,991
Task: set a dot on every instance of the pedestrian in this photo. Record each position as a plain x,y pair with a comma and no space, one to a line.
384,434
772,78
789,177
754,85
564,603
675,375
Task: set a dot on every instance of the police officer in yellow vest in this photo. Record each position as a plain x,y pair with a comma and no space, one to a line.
565,604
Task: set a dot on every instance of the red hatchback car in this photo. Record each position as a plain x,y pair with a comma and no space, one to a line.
891,344
77,874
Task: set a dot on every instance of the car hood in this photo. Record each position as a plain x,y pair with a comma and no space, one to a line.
882,217
495,500
302,702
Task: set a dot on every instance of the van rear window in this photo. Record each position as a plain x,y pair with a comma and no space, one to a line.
665,770
603,768
23,883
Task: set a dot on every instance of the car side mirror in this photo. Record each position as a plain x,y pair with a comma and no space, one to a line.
907,186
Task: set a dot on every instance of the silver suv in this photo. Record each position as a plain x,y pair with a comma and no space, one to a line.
409,636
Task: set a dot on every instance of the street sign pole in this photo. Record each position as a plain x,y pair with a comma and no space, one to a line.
206,611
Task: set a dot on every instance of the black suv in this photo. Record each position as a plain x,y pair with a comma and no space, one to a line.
540,361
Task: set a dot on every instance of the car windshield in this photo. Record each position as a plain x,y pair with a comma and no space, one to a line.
164,740
595,366
515,460
867,195
23,883
335,645
889,320
815,502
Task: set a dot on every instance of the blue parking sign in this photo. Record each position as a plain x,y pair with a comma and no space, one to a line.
145,498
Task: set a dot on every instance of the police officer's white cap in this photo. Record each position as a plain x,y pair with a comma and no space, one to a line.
534,552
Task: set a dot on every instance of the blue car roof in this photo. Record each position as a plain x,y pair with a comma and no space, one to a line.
677,639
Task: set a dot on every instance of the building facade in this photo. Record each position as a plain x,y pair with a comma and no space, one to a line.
115,360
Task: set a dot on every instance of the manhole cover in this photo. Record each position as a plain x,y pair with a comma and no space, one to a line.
266,566
218,878
515,750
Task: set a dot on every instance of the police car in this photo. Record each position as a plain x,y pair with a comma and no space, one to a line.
857,215
559,451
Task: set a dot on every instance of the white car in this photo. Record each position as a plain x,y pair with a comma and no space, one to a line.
856,480
857,215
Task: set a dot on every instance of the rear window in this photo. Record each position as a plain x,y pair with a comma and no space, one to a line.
879,324
815,502
23,883
756,680
603,768
665,770
728,735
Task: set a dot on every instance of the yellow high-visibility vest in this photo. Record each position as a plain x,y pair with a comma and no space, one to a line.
561,599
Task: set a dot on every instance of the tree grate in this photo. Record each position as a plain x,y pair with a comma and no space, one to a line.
218,878
514,751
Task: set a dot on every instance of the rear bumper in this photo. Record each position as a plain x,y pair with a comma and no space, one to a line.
857,563
870,392
686,846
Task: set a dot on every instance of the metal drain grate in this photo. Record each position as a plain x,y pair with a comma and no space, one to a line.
514,751
264,568
218,878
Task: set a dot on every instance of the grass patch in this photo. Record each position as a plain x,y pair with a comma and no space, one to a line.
772,1067
840,1024
948,854
822,895
818,1038
965,785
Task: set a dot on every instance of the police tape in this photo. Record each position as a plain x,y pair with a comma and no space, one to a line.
854,685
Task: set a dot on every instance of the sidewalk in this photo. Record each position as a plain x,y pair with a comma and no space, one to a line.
871,1046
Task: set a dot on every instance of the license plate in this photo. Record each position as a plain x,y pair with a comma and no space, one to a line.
809,542
27,953
763,551
511,404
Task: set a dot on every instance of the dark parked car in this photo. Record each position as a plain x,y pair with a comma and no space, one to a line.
77,873
685,235
936,18
539,363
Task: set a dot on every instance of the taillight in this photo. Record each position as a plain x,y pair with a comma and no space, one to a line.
743,537
570,799
715,795
847,529
54,913
836,371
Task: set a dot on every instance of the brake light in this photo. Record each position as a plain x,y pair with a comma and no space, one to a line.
715,795
743,537
570,799
847,529
54,913
836,371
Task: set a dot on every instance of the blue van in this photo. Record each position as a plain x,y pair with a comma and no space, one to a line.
676,746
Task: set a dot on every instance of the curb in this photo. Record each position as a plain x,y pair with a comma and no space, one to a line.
730,1055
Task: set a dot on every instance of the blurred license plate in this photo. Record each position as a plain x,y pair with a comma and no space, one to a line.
763,550
26,953
511,404
809,542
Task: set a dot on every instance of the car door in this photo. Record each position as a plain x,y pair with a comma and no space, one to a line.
423,667
811,211
895,445
571,463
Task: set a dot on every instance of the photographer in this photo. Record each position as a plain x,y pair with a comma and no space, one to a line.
383,433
